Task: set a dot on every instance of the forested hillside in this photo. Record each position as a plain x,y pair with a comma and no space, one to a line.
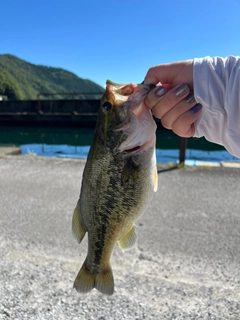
20,80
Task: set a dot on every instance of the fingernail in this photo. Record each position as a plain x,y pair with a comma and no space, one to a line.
196,108
182,90
160,91
190,98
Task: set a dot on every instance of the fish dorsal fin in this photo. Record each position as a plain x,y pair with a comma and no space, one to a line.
77,227
155,180
128,240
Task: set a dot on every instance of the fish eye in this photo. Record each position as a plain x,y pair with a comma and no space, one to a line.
107,105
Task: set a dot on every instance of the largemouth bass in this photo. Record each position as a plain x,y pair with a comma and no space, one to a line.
118,182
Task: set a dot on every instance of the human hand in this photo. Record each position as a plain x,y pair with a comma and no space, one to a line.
173,100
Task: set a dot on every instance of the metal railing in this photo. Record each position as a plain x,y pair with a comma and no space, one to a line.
182,150
74,95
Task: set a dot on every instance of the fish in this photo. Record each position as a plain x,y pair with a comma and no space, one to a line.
118,182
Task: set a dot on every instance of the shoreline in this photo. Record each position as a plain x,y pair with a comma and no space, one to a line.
16,151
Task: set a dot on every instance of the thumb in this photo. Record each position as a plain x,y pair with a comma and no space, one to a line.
172,73
158,74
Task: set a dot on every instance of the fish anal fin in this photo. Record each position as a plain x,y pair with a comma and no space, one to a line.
129,239
86,281
155,180
77,227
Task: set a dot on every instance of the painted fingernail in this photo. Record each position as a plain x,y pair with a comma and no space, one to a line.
182,90
196,108
190,98
160,91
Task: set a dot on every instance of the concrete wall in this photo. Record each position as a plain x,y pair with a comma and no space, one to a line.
62,112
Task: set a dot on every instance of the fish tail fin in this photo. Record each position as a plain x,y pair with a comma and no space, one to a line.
104,281
86,281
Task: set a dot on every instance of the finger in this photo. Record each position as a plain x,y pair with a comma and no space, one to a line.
154,96
182,107
168,101
167,86
172,73
163,73
184,125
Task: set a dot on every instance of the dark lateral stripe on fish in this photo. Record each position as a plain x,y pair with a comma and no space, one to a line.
99,243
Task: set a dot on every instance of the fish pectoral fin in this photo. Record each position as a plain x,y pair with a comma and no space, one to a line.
155,180
77,227
86,281
129,239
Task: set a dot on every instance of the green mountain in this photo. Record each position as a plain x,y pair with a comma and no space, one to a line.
21,80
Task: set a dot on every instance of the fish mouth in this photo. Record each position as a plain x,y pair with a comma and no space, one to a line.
132,150
140,130
139,126
143,146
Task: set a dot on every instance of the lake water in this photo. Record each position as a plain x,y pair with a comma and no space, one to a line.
75,142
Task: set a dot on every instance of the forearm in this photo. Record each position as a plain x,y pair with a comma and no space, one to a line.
217,88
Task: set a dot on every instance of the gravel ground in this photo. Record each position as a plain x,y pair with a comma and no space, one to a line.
184,266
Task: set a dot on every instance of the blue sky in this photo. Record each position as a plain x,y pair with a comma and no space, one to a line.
117,40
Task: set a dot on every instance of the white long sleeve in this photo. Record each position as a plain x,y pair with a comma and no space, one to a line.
217,88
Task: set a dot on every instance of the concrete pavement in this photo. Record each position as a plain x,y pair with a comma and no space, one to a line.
184,266
7,151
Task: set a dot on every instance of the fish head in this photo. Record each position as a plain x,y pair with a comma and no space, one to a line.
125,122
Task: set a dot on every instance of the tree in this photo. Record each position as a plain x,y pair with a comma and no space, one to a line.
9,87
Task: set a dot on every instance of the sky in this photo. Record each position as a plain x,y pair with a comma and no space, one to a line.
117,40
